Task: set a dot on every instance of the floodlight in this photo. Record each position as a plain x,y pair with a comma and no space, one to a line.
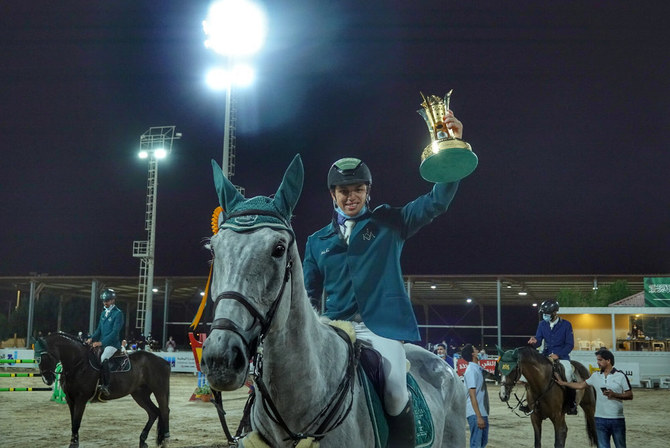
235,27
218,79
160,153
143,154
469,300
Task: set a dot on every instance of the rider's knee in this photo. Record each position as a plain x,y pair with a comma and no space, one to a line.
395,400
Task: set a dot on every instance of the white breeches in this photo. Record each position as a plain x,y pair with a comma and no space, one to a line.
569,373
107,353
394,365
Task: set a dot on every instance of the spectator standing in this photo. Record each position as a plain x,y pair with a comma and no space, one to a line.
170,345
612,388
441,351
477,407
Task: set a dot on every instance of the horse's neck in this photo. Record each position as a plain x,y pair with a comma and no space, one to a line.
305,360
537,374
69,353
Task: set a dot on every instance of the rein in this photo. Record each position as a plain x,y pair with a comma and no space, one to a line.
332,415
259,328
330,410
521,400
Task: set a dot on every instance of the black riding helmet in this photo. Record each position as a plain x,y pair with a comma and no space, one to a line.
349,171
108,294
549,306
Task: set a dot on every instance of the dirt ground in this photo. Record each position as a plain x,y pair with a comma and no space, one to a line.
29,419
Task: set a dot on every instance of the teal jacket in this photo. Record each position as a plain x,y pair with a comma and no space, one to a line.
108,328
364,278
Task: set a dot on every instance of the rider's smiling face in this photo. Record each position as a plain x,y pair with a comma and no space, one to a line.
350,198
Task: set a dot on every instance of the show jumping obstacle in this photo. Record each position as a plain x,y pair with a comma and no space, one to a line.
21,375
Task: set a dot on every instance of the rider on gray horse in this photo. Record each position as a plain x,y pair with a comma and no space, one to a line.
107,335
355,259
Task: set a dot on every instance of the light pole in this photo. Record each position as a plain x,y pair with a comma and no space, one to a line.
235,29
155,144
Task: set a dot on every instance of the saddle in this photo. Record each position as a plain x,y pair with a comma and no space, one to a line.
558,368
371,375
119,362
569,405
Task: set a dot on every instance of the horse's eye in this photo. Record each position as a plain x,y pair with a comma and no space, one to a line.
279,250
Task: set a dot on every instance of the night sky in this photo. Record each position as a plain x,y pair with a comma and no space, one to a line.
565,103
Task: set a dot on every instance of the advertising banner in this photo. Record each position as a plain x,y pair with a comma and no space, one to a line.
488,364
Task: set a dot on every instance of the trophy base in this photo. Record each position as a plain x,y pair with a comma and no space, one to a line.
447,160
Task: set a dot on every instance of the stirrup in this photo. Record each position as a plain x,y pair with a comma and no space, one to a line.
104,389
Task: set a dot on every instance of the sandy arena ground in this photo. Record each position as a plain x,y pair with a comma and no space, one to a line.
29,419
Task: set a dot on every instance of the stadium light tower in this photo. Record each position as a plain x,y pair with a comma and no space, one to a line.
155,144
236,30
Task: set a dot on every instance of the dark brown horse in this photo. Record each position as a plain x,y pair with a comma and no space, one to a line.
79,379
546,399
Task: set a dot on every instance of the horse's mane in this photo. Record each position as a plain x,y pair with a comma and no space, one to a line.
68,336
528,351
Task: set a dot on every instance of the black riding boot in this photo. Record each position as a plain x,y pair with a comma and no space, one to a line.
402,432
104,377
570,396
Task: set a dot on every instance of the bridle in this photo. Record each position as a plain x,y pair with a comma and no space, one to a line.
254,336
256,333
520,401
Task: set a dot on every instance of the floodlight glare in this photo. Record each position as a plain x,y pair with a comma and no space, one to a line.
235,27
243,75
143,154
218,79
160,153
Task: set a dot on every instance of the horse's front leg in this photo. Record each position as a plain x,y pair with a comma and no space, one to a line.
560,431
537,428
76,412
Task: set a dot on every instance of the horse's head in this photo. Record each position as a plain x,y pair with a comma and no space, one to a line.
254,252
46,361
508,367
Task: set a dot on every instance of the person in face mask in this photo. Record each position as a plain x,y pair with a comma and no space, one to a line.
556,333
353,264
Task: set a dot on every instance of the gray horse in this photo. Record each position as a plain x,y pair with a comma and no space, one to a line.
307,391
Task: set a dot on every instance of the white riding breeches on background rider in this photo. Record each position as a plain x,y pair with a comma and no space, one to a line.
394,366
569,372
107,353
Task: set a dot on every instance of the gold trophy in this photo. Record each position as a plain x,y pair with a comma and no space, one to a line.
447,158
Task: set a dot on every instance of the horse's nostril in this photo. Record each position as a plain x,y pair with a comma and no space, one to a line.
239,359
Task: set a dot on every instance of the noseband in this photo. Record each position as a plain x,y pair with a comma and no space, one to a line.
255,334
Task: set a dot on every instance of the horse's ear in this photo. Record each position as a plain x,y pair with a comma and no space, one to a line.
225,190
289,191
500,351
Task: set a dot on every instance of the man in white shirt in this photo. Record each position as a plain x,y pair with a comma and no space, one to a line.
612,387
